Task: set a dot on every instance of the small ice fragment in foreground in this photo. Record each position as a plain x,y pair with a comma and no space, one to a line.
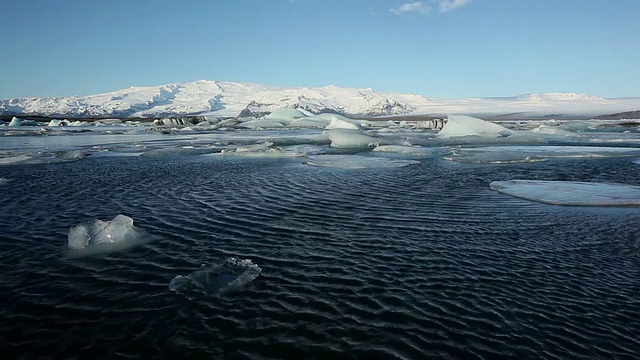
571,192
217,279
354,162
119,229
4,181
462,125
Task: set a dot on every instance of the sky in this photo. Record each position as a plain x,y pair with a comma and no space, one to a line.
436,48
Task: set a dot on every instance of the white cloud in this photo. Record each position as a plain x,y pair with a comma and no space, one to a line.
448,5
416,7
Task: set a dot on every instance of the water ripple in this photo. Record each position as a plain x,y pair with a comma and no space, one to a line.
402,263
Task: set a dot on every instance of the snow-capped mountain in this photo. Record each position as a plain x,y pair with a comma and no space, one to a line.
220,98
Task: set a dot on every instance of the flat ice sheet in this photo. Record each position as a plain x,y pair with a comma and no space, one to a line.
354,162
514,154
571,192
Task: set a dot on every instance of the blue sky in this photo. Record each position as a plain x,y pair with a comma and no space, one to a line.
448,49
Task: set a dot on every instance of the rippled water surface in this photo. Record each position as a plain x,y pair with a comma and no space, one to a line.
421,261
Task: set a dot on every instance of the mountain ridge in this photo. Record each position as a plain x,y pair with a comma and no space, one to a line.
223,98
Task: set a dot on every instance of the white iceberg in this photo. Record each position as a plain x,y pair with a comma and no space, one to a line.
285,115
218,279
462,125
265,123
57,122
350,139
338,123
20,122
356,162
571,192
99,236
265,150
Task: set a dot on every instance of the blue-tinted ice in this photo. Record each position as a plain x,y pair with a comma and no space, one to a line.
217,279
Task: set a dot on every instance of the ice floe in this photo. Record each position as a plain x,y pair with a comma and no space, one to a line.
355,162
348,138
571,192
266,149
515,154
411,150
217,279
462,125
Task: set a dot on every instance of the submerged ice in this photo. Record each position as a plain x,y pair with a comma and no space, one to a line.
232,274
354,162
571,192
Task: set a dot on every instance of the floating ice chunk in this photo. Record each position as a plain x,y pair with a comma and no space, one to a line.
177,151
102,236
264,150
56,122
285,114
636,161
338,123
346,138
411,150
355,162
4,181
512,154
553,130
20,122
218,279
308,122
462,125
262,123
15,159
570,192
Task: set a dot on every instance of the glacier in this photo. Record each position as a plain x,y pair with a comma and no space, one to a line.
229,276
571,192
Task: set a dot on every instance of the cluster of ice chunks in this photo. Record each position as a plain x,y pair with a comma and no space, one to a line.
232,274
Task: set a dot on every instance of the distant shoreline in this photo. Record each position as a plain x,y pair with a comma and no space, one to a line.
492,117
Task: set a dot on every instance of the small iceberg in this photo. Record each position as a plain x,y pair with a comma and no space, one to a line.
462,125
217,279
264,150
571,192
351,139
356,162
99,236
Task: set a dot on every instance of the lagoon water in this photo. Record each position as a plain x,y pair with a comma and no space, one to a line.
412,262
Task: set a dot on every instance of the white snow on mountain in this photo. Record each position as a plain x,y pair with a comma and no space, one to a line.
219,98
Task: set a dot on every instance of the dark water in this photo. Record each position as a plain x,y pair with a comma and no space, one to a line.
417,262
